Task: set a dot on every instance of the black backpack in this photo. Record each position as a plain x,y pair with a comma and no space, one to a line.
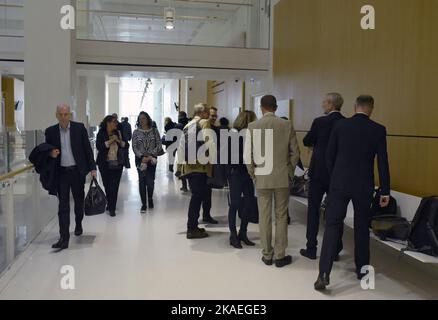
377,210
424,234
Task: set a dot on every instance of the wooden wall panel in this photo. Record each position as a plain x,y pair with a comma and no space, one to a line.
413,163
319,47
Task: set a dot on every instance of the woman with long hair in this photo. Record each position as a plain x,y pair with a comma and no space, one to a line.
146,143
240,183
111,158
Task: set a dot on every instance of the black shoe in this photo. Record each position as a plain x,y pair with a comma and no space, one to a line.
197,234
322,282
268,262
337,258
288,220
244,238
280,263
112,213
151,203
308,254
78,231
360,275
61,244
184,190
235,241
143,209
210,220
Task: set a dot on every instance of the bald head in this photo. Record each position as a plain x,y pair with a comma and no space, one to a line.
63,114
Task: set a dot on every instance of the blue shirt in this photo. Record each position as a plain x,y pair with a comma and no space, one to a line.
67,159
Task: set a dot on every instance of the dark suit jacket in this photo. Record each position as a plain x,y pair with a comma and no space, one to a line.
80,145
318,138
353,146
45,166
102,153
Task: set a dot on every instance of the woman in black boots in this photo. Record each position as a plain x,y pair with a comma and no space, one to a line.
146,143
111,158
240,183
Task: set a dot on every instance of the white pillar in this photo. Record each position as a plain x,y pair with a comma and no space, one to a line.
50,61
2,107
183,95
81,101
96,98
114,97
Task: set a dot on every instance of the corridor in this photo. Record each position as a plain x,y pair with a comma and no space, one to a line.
134,256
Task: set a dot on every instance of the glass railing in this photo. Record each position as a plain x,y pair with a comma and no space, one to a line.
11,18
25,207
243,24
219,23
23,202
15,147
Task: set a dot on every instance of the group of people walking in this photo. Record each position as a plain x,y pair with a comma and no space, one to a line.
342,166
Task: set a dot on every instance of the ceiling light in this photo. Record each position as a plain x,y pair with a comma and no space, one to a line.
169,18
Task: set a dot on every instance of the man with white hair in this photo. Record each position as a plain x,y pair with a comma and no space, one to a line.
317,139
196,172
74,160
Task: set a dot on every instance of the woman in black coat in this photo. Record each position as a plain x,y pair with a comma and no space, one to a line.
111,158
240,184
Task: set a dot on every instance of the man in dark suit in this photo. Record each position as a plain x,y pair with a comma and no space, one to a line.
353,146
75,160
317,139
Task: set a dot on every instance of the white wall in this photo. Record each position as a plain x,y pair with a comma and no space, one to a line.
96,98
171,96
19,96
113,97
196,93
176,56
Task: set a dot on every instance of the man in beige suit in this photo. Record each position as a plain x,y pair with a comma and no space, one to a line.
279,146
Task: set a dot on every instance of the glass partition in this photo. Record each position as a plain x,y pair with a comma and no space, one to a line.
25,207
11,18
243,23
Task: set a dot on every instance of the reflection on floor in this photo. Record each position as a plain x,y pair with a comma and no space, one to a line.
134,256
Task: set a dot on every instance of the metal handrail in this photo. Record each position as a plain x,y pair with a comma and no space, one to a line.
15,173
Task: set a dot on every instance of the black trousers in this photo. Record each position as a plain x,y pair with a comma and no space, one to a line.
240,183
70,179
146,182
206,203
335,215
111,182
198,185
184,182
317,189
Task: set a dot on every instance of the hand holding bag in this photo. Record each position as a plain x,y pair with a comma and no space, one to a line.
299,186
95,201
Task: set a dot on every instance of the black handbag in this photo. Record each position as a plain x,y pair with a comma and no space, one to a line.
95,201
391,226
377,210
219,178
119,163
299,186
249,209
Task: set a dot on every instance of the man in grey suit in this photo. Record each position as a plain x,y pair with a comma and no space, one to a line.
279,145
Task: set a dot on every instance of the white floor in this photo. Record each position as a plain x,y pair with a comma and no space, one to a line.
134,256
